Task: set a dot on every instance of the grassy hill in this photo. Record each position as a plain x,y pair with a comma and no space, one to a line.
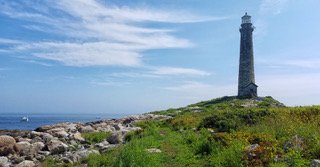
227,132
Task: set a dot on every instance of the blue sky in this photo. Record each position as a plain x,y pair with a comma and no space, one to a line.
108,56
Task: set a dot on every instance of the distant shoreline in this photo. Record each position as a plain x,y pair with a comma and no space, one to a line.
12,121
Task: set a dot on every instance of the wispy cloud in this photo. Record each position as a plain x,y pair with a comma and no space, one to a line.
98,34
39,63
178,71
84,54
9,41
189,86
160,72
108,83
201,91
272,6
268,8
134,75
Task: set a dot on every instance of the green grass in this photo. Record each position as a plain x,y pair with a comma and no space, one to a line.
51,162
95,137
219,135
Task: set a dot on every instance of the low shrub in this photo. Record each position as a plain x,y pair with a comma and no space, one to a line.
294,158
107,159
133,134
95,137
51,162
230,121
230,156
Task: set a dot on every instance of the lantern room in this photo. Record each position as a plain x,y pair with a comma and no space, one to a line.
246,19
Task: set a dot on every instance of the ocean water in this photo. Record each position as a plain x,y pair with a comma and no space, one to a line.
13,121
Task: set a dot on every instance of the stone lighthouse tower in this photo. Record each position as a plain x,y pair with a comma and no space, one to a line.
246,83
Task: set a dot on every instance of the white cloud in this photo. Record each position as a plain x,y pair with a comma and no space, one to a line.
272,6
178,71
106,12
97,34
202,91
39,63
190,86
9,41
85,54
160,72
292,89
108,83
134,75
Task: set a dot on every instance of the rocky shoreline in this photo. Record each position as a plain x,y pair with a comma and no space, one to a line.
64,141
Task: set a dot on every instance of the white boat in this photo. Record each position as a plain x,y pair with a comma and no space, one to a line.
25,119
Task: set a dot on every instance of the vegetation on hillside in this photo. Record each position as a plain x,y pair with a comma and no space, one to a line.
227,132
95,137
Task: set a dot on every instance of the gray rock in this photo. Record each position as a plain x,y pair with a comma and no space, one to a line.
6,140
112,129
23,148
128,120
86,129
133,128
4,162
37,146
249,104
250,150
61,134
26,163
71,128
153,150
45,153
81,154
129,125
195,111
116,138
35,134
55,130
102,124
47,137
118,126
66,160
86,153
73,157
77,136
252,147
73,142
106,148
24,140
294,143
6,145
103,145
40,157
36,139
315,163
44,128
57,147
106,128
16,159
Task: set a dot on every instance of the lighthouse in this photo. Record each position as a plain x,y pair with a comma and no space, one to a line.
247,87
